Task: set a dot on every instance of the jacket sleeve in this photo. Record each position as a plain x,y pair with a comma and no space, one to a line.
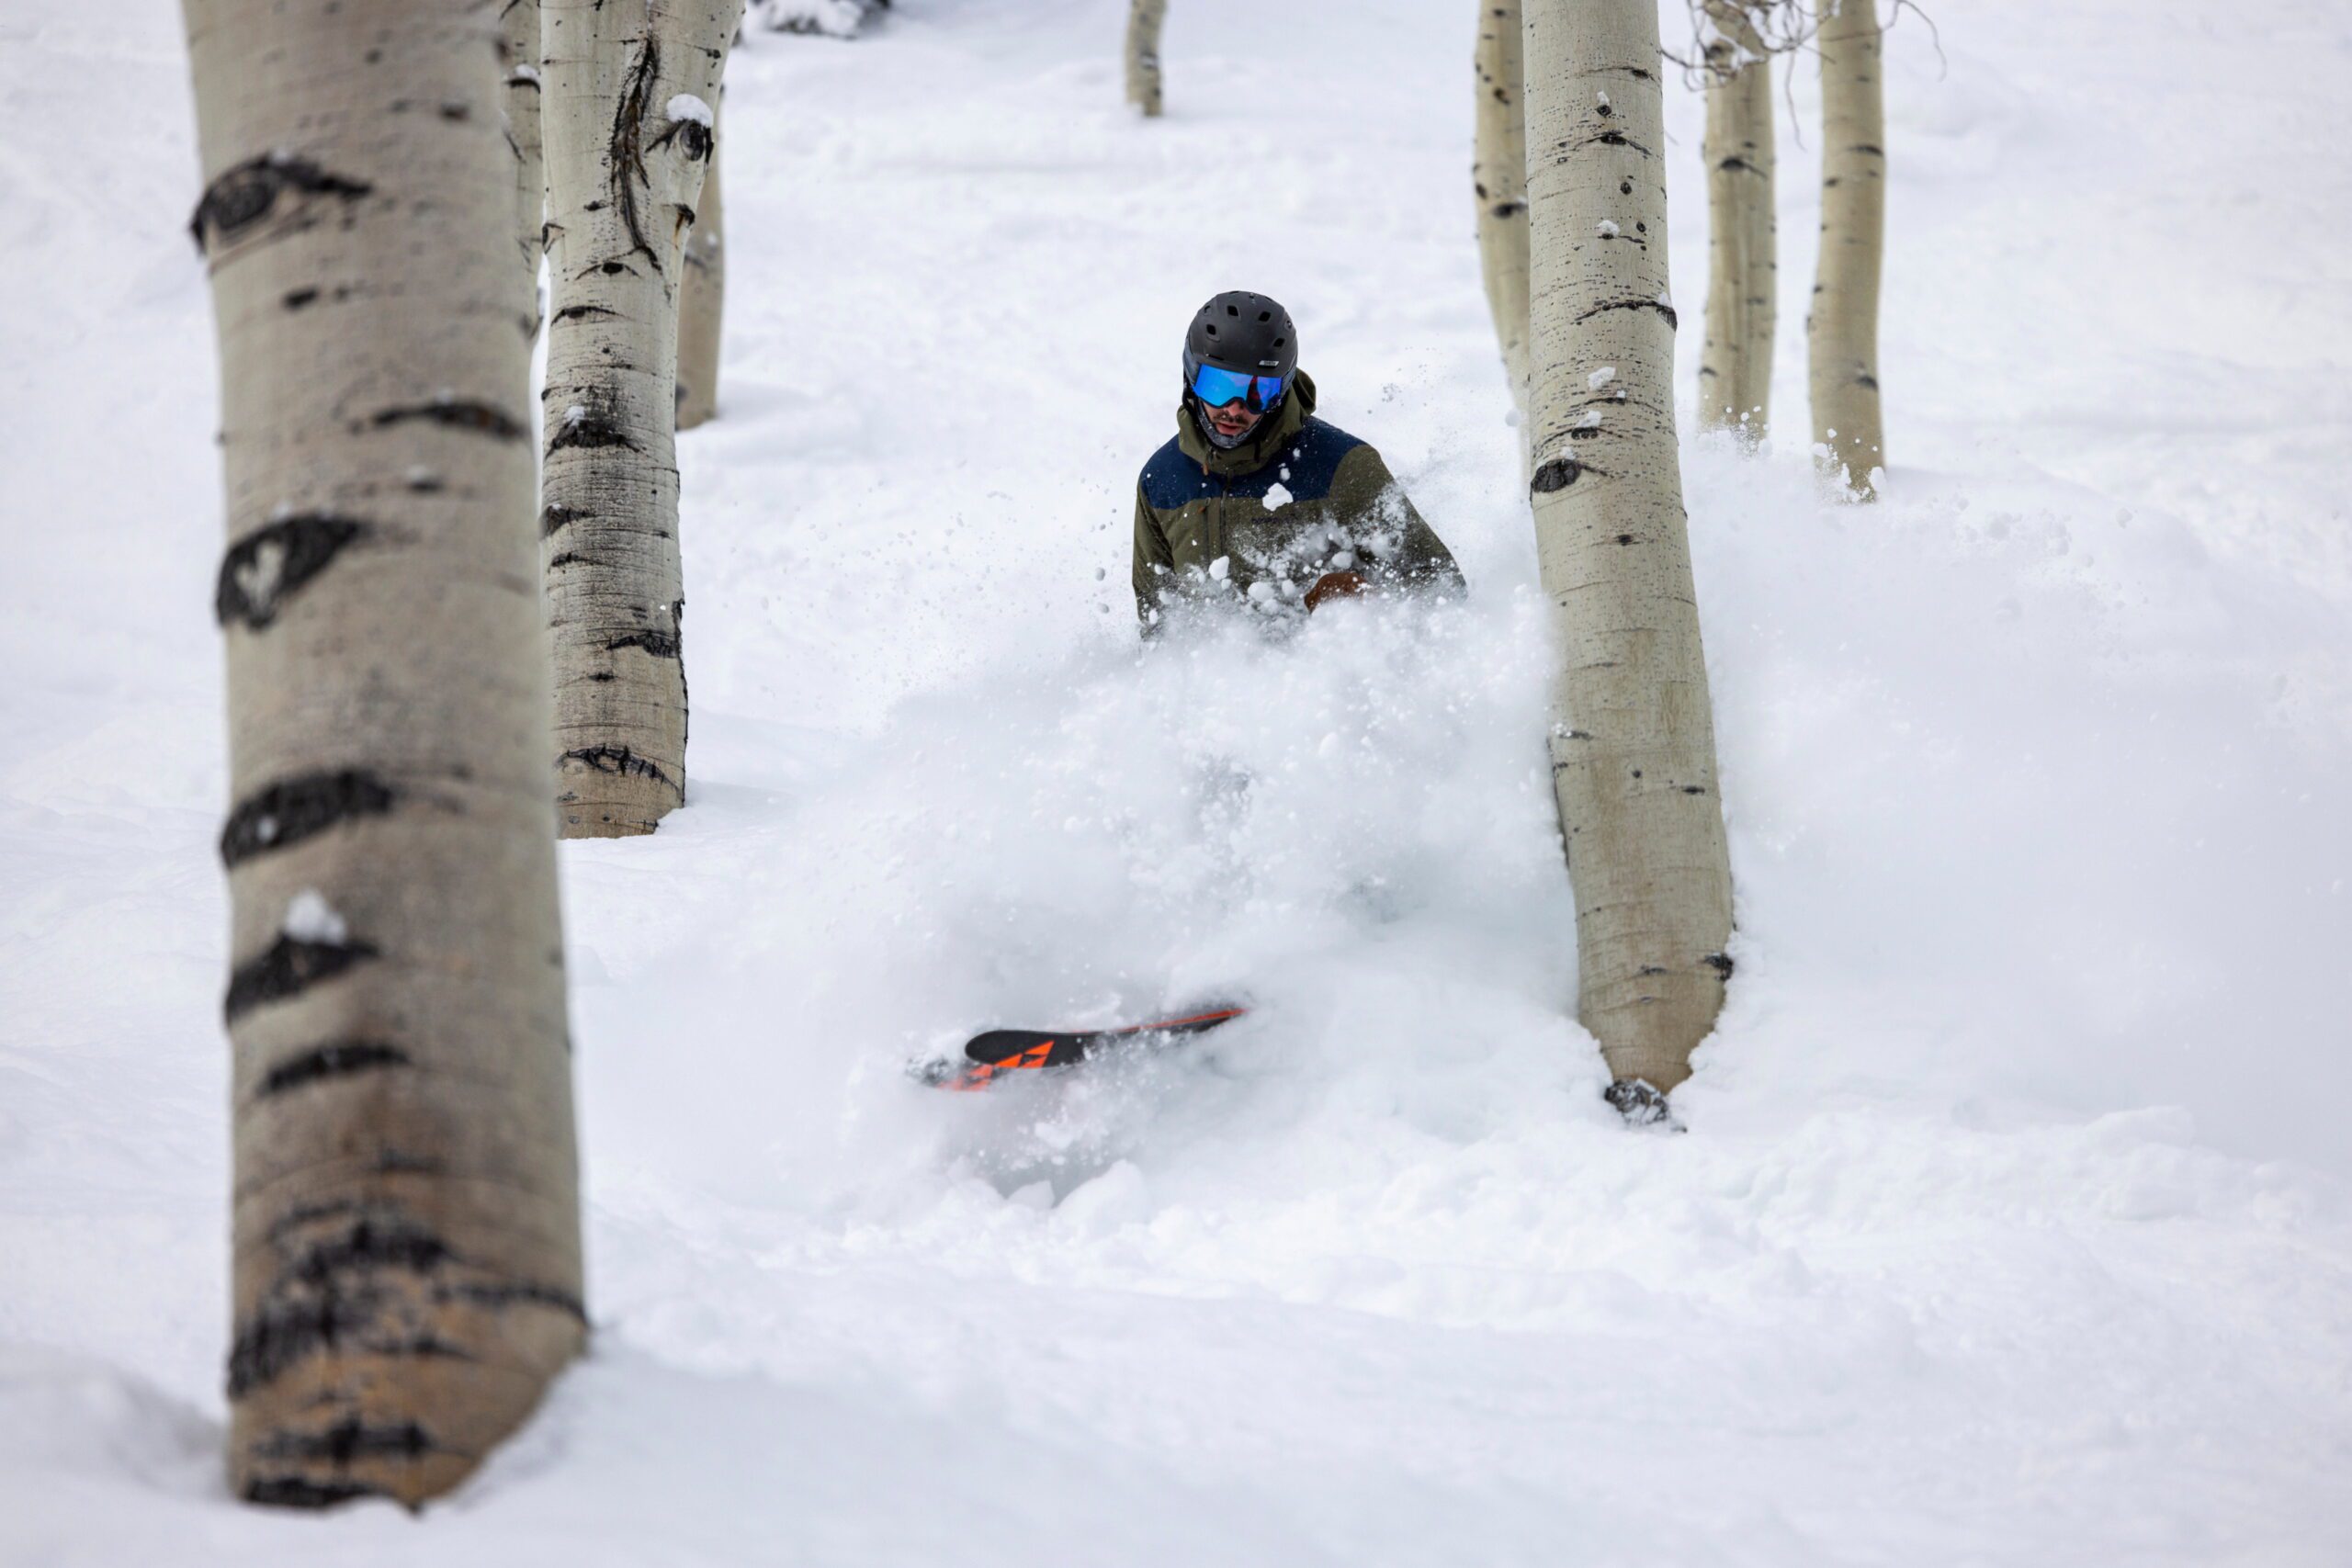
1155,565
1397,549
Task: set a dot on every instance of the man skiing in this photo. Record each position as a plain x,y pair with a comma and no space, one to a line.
1257,503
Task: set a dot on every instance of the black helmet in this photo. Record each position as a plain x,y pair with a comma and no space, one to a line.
1241,331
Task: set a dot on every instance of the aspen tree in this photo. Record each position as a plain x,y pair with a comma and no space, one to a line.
1498,178
519,54
1143,54
1632,733
1842,329
702,308
629,133
406,1222
1735,367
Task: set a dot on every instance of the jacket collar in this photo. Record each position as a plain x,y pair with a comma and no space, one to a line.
1261,445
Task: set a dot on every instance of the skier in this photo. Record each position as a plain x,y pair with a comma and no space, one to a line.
1256,503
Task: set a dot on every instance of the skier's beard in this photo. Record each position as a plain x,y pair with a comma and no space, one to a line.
1222,442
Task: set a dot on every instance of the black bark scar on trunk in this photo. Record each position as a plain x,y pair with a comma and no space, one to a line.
332,1292
660,645
617,760
626,149
1613,138
1556,475
301,1492
341,1059
692,136
591,429
1660,306
291,810
468,414
510,1292
237,203
349,1439
557,515
271,564
289,967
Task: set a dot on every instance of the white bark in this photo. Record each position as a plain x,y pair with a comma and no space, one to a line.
1735,368
1499,177
406,1274
702,308
519,56
1843,326
628,130
1632,737
1143,54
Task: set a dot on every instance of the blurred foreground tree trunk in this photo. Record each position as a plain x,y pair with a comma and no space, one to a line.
1632,733
1499,177
1842,327
406,1219
629,133
1736,365
1143,54
702,307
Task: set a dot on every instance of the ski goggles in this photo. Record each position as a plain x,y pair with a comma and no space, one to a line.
1216,387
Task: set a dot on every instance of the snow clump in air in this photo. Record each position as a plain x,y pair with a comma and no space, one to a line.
1277,497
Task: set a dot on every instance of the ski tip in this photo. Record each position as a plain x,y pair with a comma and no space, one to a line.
964,1077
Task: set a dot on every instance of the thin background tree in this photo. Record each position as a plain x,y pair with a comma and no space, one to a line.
1144,19
1842,327
1499,185
1737,40
630,125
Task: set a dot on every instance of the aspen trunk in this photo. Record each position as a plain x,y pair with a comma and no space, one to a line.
406,1219
1143,54
1736,369
629,134
702,309
1843,326
1633,734
519,55
1499,177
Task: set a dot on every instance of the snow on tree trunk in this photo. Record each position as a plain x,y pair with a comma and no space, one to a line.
406,1275
1499,177
629,85
1143,54
519,55
702,309
1735,368
1843,326
1633,736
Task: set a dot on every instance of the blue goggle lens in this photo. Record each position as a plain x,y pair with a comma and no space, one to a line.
1216,387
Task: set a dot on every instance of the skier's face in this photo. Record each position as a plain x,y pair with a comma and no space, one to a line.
1233,421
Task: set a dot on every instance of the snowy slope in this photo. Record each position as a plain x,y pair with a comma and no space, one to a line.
2012,1228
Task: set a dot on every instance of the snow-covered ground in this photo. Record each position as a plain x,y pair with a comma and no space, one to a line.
2012,1224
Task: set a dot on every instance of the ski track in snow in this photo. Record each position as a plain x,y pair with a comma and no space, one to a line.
2010,1227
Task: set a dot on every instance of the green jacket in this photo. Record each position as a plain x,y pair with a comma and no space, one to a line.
1256,526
